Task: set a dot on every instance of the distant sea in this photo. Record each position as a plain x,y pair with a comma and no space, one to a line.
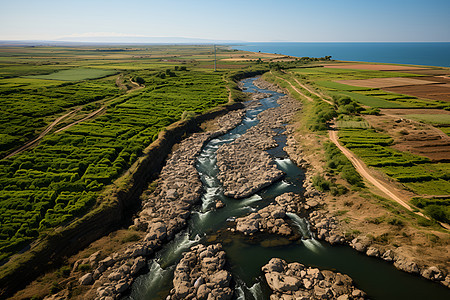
427,54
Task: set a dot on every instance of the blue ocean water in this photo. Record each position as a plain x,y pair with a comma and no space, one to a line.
427,54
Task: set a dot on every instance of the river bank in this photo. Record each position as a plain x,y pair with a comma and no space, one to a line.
247,253
352,218
173,207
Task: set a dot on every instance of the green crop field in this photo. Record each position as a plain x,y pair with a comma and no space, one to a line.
62,177
75,74
435,119
372,101
339,86
415,172
324,78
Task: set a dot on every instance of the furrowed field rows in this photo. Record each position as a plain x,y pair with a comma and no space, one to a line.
415,172
24,110
61,177
324,78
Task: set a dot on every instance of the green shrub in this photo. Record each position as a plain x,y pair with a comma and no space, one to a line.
338,190
84,267
395,222
320,183
439,213
64,271
132,237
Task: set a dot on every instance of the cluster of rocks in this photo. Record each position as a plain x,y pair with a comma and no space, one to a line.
277,117
163,214
270,219
363,244
262,84
259,96
295,281
200,274
294,151
326,227
244,168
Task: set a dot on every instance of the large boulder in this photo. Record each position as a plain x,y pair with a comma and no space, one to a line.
86,279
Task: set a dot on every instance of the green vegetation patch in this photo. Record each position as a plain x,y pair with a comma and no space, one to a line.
435,119
416,172
436,208
339,86
25,111
61,178
432,187
372,101
337,162
75,74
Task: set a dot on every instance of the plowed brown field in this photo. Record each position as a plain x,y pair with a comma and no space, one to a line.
414,137
378,83
432,91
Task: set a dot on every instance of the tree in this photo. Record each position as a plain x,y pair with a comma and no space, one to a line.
139,80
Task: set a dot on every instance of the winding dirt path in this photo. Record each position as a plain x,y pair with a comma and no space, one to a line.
294,88
360,166
41,135
364,171
313,92
92,114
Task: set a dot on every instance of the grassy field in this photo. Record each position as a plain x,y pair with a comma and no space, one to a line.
62,177
324,78
75,74
434,119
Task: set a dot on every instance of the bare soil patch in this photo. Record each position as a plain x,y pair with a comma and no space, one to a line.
442,78
433,91
373,67
429,72
414,137
387,82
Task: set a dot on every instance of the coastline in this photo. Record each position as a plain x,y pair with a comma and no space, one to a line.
361,52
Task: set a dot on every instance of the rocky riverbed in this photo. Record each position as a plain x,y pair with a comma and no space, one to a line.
244,166
272,218
326,226
201,275
163,214
296,281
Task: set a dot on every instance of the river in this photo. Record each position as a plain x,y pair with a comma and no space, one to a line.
246,256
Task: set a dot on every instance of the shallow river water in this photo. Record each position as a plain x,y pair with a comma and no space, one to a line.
246,256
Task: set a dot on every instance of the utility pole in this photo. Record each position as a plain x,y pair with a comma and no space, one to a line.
215,59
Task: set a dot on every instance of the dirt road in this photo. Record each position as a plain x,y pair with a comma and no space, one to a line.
360,167
92,114
294,88
313,92
38,138
363,170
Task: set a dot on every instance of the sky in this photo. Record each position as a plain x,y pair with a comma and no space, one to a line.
229,20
